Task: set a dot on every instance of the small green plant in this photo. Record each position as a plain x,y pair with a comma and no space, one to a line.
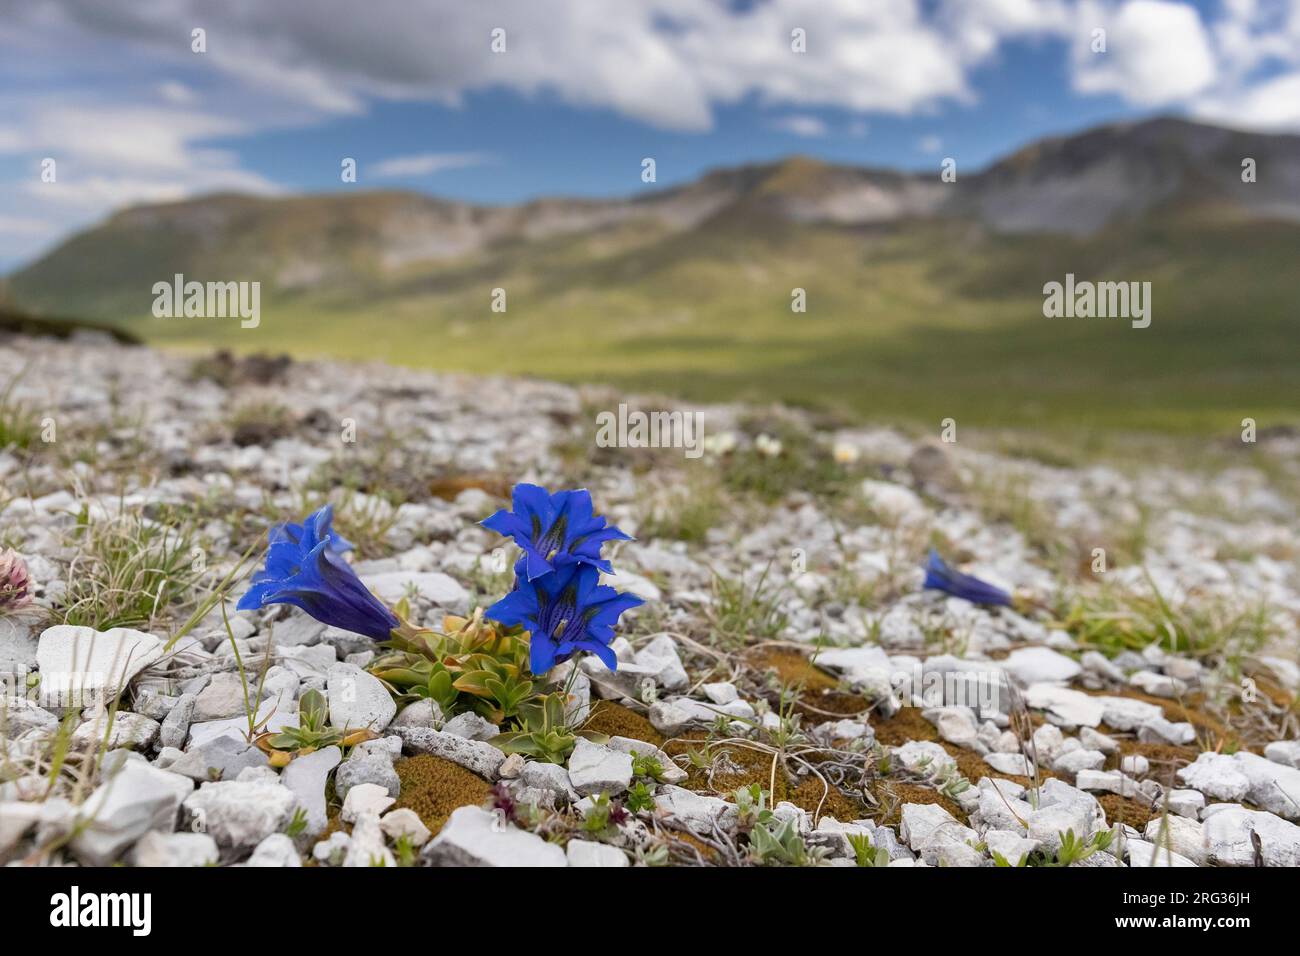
751,806
698,758
864,853
778,844
951,783
127,570
741,614
542,732
603,816
405,851
686,513
1113,620
1073,849
20,427
297,824
473,664
647,766
640,797
655,854
801,464
312,733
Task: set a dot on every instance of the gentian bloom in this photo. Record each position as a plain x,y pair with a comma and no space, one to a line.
566,611
311,530
304,569
554,530
943,578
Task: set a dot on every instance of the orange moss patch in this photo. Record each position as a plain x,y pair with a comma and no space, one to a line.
738,766
685,836
972,767
616,720
1163,757
449,486
892,794
1119,809
434,787
820,694
1274,691
907,724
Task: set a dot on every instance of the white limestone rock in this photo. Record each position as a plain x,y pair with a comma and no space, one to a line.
358,700
80,665
473,836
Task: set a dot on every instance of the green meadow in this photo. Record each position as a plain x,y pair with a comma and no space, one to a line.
905,323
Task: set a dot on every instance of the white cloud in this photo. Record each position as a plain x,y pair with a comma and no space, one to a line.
801,124
27,227
930,144
1271,105
665,62
426,164
668,63
114,91
161,139
177,93
1157,52
108,156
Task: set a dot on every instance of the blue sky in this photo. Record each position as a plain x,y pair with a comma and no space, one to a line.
114,92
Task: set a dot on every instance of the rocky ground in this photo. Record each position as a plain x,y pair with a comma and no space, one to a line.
787,695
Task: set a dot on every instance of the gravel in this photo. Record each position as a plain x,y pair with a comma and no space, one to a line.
191,788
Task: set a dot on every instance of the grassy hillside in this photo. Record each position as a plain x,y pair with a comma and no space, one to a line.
909,318
914,322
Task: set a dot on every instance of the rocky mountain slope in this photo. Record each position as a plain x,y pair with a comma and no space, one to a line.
1075,185
920,297
792,693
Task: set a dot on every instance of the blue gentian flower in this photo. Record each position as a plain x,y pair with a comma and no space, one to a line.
304,568
313,530
554,529
565,611
943,578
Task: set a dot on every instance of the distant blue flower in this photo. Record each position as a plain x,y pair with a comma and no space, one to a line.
304,569
943,578
566,611
554,529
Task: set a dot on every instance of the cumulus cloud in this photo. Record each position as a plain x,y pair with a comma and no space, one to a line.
1157,53
114,89
426,164
801,124
1271,105
107,156
929,144
671,63
665,62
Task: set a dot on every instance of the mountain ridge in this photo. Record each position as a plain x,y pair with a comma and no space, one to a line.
922,296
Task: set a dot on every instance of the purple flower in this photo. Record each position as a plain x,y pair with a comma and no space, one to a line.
565,611
15,581
943,578
304,568
555,530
